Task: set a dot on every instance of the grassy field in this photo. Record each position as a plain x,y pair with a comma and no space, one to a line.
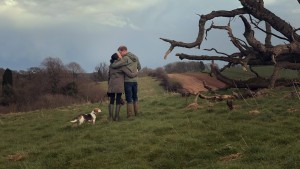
261,133
264,71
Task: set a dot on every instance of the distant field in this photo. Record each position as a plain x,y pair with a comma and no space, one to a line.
261,133
264,71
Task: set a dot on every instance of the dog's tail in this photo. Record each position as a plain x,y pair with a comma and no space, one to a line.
74,121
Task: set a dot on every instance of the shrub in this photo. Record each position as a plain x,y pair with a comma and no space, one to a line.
91,92
166,82
7,88
70,89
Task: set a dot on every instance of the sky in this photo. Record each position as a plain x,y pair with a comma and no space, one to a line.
88,32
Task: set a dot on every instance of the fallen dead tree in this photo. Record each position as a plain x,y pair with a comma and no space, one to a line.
250,50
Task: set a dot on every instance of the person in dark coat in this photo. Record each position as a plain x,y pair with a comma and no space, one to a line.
116,86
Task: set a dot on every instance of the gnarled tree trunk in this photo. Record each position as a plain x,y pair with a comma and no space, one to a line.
250,52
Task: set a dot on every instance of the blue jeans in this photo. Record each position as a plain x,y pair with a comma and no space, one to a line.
131,89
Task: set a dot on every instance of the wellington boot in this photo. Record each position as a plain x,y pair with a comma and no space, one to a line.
117,112
129,110
136,108
111,111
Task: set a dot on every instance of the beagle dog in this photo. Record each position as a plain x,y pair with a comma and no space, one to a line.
91,117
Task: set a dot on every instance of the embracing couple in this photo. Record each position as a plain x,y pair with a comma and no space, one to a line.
123,70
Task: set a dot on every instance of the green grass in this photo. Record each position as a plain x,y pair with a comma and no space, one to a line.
166,135
264,71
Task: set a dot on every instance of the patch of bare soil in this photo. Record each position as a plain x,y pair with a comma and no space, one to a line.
193,82
231,157
17,156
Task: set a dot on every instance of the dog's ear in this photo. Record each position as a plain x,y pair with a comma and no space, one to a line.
97,110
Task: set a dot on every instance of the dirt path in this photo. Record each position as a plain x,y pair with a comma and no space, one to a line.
193,82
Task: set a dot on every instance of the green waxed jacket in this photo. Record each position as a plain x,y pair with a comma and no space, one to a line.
116,79
131,62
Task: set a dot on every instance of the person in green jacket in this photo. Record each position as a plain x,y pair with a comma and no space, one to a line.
132,62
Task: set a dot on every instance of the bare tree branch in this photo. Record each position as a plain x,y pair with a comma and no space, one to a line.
267,31
213,49
257,10
201,25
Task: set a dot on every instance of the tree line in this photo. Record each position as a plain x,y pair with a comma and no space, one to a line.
101,70
55,84
51,85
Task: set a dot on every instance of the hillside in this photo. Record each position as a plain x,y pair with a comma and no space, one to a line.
260,133
193,82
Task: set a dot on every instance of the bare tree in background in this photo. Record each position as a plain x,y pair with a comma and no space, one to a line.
75,69
101,72
54,71
250,51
